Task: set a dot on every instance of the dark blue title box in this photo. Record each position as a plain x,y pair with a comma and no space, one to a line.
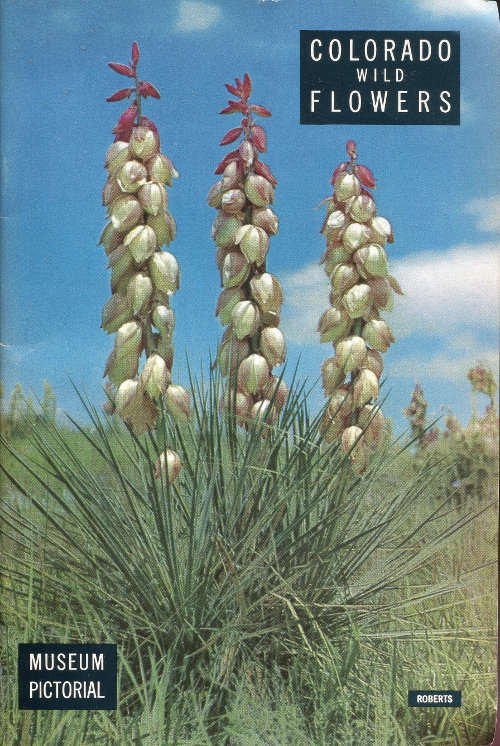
66,677
380,77
433,698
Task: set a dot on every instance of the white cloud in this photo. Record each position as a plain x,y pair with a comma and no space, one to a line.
456,7
445,292
195,15
449,290
449,364
487,211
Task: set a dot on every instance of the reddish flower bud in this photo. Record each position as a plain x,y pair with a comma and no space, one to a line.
263,170
351,149
232,89
259,138
261,111
259,190
231,136
127,119
120,95
135,53
264,217
228,158
122,69
365,176
247,86
247,153
148,89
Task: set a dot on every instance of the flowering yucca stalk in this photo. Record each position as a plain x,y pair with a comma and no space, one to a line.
417,414
143,276
250,302
357,264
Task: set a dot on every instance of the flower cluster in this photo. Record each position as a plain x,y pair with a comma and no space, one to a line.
482,380
143,276
357,264
417,414
249,304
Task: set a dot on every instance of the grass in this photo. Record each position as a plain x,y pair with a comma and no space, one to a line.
268,597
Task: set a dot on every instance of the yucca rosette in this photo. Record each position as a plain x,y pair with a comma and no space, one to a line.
144,276
250,301
357,264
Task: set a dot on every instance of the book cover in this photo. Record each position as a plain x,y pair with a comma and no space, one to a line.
249,340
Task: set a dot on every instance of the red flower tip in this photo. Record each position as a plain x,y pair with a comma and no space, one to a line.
247,86
262,169
148,123
120,95
351,149
122,69
259,138
147,89
260,110
365,176
232,156
339,170
231,136
232,89
126,120
135,53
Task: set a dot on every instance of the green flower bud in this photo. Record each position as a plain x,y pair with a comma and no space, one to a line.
139,292
115,312
245,318
224,229
121,367
333,225
350,353
259,190
168,463
178,403
264,217
355,235
346,186
253,243
165,348
333,375
233,201
270,318
118,154
111,191
126,212
238,404
253,374
129,338
334,324
344,277
164,226
153,198
132,176
163,318
381,231
141,242
160,168
231,176
232,351
272,345
143,143
365,387
235,269
334,256
110,238
382,293
214,197
267,291
358,300
373,361
371,260
377,333
277,393
164,272
228,299
363,208
155,376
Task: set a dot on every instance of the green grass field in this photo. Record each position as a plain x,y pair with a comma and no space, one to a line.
269,596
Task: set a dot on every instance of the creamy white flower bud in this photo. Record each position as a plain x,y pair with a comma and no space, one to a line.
346,186
132,176
155,377
363,208
272,345
358,300
141,242
245,319
139,292
253,374
164,272
143,143
168,463
178,403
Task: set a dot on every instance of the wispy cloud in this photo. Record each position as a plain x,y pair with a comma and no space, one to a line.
195,15
449,364
456,7
487,212
444,291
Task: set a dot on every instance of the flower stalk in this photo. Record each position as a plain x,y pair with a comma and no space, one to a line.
143,275
356,262
250,301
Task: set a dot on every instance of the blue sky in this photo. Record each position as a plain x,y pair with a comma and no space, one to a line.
438,185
